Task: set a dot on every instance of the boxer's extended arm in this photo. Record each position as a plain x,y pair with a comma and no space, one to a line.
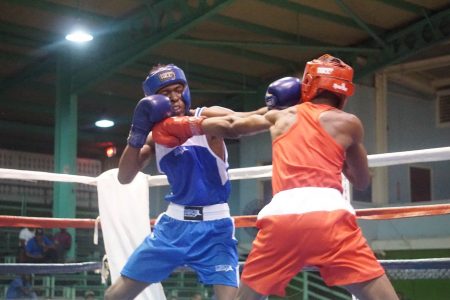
233,127
219,111
280,94
175,131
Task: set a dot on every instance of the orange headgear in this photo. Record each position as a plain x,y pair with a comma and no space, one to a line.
327,73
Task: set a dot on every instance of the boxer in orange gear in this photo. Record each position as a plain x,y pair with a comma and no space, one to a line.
308,222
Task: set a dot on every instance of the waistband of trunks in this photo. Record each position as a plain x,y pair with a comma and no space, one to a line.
198,213
304,200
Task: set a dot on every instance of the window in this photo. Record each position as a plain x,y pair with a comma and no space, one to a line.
420,183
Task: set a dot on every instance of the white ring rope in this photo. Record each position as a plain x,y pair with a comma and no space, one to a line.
409,157
45,176
375,160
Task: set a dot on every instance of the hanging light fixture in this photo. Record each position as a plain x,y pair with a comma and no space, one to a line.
104,123
79,36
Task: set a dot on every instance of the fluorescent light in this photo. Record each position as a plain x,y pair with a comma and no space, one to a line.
104,123
79,36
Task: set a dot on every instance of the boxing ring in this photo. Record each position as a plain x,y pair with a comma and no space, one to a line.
432,268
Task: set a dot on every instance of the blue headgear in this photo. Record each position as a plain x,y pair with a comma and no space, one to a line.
165,76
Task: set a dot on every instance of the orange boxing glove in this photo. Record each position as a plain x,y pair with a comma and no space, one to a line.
174,131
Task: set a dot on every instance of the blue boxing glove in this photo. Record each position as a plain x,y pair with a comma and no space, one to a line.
283,93
149,111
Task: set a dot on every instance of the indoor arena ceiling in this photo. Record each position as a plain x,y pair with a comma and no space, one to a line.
230,50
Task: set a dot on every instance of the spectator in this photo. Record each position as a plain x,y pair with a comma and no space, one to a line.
25,235
40,249
63,242
197,296
20,288
89,295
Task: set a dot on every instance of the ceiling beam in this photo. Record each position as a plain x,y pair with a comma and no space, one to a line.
408,41
277,45
206,71
76,12
30,72
413,82
286,37
31,33
320,14
90,75
404,5
239,51
266,31
40,60
441,83
344,7
420,65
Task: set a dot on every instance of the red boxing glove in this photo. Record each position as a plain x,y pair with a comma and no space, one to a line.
175,131
162,138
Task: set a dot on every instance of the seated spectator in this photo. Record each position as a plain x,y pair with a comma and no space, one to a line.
63,242
40,249
25,235
89,295
20,288
197,296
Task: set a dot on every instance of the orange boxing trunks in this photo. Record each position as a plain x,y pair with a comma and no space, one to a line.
291,237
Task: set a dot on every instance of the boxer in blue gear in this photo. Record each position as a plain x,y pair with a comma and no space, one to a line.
196,230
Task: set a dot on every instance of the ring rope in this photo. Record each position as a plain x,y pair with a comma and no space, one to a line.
398,269
42,222
45,176
375,160
21,268
432,268
240,221
402,212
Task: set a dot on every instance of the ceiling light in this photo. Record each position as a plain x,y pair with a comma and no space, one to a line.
79,36
104,123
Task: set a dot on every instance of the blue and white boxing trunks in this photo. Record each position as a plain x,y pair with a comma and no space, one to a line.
180,238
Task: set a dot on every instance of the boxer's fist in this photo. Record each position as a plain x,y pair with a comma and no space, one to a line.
283,93
149,111
175,131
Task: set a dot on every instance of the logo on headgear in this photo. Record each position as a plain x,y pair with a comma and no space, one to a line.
323,70
164,76
341,87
